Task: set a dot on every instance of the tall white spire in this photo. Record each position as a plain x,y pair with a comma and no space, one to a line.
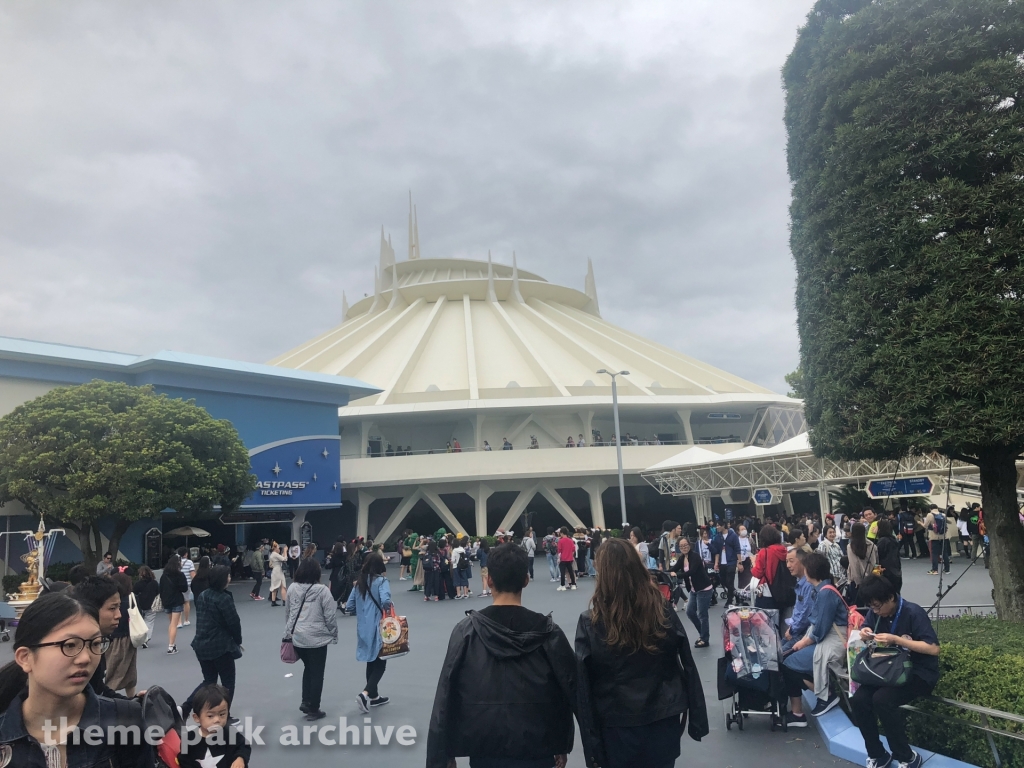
376,290
515,281
344,307
590,288
387,257
490,279
414,231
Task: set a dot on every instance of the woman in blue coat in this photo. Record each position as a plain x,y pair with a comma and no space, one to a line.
367,602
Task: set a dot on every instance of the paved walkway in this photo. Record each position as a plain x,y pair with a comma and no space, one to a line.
267,693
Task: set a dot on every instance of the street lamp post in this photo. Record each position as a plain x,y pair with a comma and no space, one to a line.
618,440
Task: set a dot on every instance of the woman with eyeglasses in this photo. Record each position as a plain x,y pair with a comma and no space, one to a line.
56,651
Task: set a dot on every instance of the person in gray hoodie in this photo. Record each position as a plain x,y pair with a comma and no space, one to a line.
311,620
507,691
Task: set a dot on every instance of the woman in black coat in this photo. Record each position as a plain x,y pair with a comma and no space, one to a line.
173,587
636,679
341,582
693,574
218,639
889,555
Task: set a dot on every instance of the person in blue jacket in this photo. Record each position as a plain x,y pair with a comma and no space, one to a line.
368,602
725,547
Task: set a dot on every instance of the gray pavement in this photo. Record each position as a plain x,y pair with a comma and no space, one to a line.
269,691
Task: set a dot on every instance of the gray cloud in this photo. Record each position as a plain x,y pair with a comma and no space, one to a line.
210,177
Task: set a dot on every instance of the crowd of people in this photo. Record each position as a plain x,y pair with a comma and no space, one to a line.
815,574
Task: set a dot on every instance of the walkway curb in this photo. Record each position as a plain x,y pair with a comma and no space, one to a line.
844,740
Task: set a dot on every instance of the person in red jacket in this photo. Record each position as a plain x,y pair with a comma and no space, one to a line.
566,558
766,563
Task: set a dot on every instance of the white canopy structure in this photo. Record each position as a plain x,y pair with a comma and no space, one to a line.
790,466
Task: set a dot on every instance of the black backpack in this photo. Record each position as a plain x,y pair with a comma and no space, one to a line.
783,587
551,544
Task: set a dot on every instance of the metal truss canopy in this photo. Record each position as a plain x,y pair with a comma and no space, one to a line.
792,471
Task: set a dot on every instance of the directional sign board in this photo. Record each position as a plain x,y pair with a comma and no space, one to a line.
904,486
765,496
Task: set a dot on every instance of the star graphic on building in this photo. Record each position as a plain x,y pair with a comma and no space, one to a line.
210,761
300,462
325,454
335,486
277,469
314,477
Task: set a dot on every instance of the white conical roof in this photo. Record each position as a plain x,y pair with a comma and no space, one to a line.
461,330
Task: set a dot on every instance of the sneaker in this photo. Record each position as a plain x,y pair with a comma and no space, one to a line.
554,581
914,762
305,709
187,624
872,763
380,701
824,706
796,721
933,573
145,645
560,589
180,625
701,644
318,714
572,587
172,649
363,701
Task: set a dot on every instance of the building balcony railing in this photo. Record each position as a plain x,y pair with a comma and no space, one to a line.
391,452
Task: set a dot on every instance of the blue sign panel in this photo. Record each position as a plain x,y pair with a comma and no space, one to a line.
302,472
904,486
762,496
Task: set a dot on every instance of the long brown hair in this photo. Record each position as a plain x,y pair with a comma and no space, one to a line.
626,603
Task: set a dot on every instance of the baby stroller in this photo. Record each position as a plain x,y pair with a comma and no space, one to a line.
750,671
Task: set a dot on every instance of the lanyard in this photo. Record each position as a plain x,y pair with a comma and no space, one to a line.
896,618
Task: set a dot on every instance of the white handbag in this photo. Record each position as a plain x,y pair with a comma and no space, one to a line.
137,629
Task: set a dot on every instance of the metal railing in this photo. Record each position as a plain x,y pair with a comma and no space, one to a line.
984,713
496,448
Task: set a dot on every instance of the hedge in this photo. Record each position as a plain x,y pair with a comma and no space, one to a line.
982,662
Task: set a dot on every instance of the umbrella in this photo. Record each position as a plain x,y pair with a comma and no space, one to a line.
187,531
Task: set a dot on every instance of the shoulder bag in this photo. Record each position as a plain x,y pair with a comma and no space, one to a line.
137,629
394,631
288,654
883,666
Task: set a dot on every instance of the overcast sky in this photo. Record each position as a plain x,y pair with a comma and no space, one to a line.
208,177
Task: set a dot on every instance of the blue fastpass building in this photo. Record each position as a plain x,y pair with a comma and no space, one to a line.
287,418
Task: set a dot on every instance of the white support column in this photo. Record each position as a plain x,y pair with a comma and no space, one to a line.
684,419
594,490
297,521
435,501
480,495
401,512
478,431
558,503
787,504
587,419
702,506
823,503
524,498
363,515
364,437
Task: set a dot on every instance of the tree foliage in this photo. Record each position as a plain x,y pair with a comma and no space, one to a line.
106,449
906,153
907,157
795,379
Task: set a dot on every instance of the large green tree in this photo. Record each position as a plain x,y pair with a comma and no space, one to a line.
105,449
906,153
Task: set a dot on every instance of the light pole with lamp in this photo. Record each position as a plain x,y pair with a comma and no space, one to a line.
618,440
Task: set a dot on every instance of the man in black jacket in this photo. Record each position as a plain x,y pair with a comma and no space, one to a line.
507,690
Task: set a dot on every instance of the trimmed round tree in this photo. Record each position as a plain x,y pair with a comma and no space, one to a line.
906,153
109,450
